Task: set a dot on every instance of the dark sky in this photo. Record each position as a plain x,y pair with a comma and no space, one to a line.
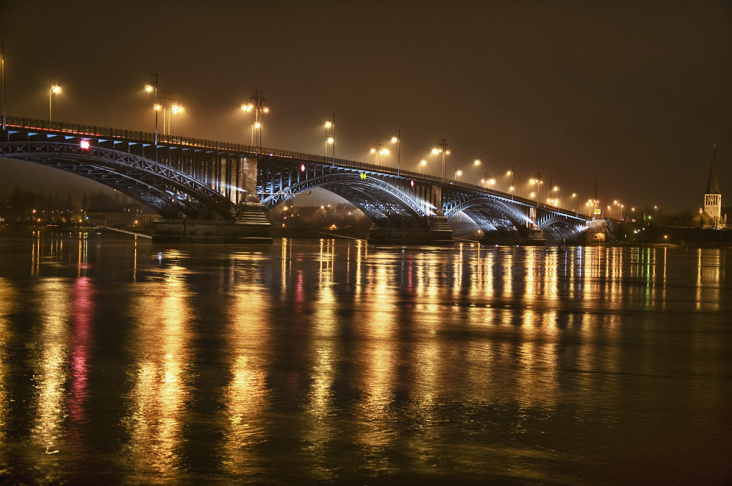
631,93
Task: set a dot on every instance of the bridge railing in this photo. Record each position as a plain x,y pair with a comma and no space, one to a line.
249,150
246,150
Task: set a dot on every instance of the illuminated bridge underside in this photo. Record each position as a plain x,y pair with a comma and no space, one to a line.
499,217
169,192
382,202
493,215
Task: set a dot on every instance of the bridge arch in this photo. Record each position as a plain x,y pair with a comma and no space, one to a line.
493,215
167,191
382,202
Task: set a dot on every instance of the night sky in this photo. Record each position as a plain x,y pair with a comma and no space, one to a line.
632,94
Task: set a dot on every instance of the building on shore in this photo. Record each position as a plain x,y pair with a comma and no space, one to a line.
713,198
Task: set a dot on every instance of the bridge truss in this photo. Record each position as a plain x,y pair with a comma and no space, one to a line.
204,180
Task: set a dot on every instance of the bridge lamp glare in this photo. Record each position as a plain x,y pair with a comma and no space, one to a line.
330,139
257,125
477,162
394,139
435,151
84,144
149,88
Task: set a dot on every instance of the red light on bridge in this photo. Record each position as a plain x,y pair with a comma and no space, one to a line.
84,144
411,183
302,168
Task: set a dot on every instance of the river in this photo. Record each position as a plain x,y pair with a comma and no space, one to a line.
124,361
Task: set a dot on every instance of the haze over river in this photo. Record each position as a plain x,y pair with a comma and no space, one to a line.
124,361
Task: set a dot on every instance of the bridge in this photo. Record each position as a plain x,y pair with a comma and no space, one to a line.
216,191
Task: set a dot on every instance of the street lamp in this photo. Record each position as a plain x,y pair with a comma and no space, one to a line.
538,182
511,187
442,149
150,87
53,88
330,136
397,139
458,172
378,150
422,163
479,163
576,203
556,190
170,107
258,106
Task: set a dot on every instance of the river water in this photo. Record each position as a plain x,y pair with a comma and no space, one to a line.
124,361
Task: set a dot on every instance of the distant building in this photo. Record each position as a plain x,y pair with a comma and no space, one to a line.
713,198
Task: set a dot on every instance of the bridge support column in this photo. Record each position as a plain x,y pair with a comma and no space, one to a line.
249,172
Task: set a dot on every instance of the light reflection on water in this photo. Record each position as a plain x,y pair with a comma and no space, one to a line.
339,361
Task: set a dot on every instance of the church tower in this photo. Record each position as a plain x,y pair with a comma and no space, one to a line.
713,198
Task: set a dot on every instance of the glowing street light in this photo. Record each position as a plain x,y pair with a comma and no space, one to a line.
576,203
378,150
170,107
397,139
442,149
555,194
511,186
458,173
422,163
53,88
257,106
152,87
537,180
330,136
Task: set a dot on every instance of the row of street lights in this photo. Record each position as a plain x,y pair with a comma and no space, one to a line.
258,106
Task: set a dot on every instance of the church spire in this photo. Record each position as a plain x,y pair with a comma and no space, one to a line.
713,185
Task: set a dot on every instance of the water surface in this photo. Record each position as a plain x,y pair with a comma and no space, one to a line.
127,362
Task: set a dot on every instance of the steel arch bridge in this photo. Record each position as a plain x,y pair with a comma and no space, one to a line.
203,181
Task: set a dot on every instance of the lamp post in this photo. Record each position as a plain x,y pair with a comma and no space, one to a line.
458,173
537,181
479,163
258,106
397,139
170,107
53,88
378,150
511,187
330,136
150,87
422,163
442,149
556,193
576,203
